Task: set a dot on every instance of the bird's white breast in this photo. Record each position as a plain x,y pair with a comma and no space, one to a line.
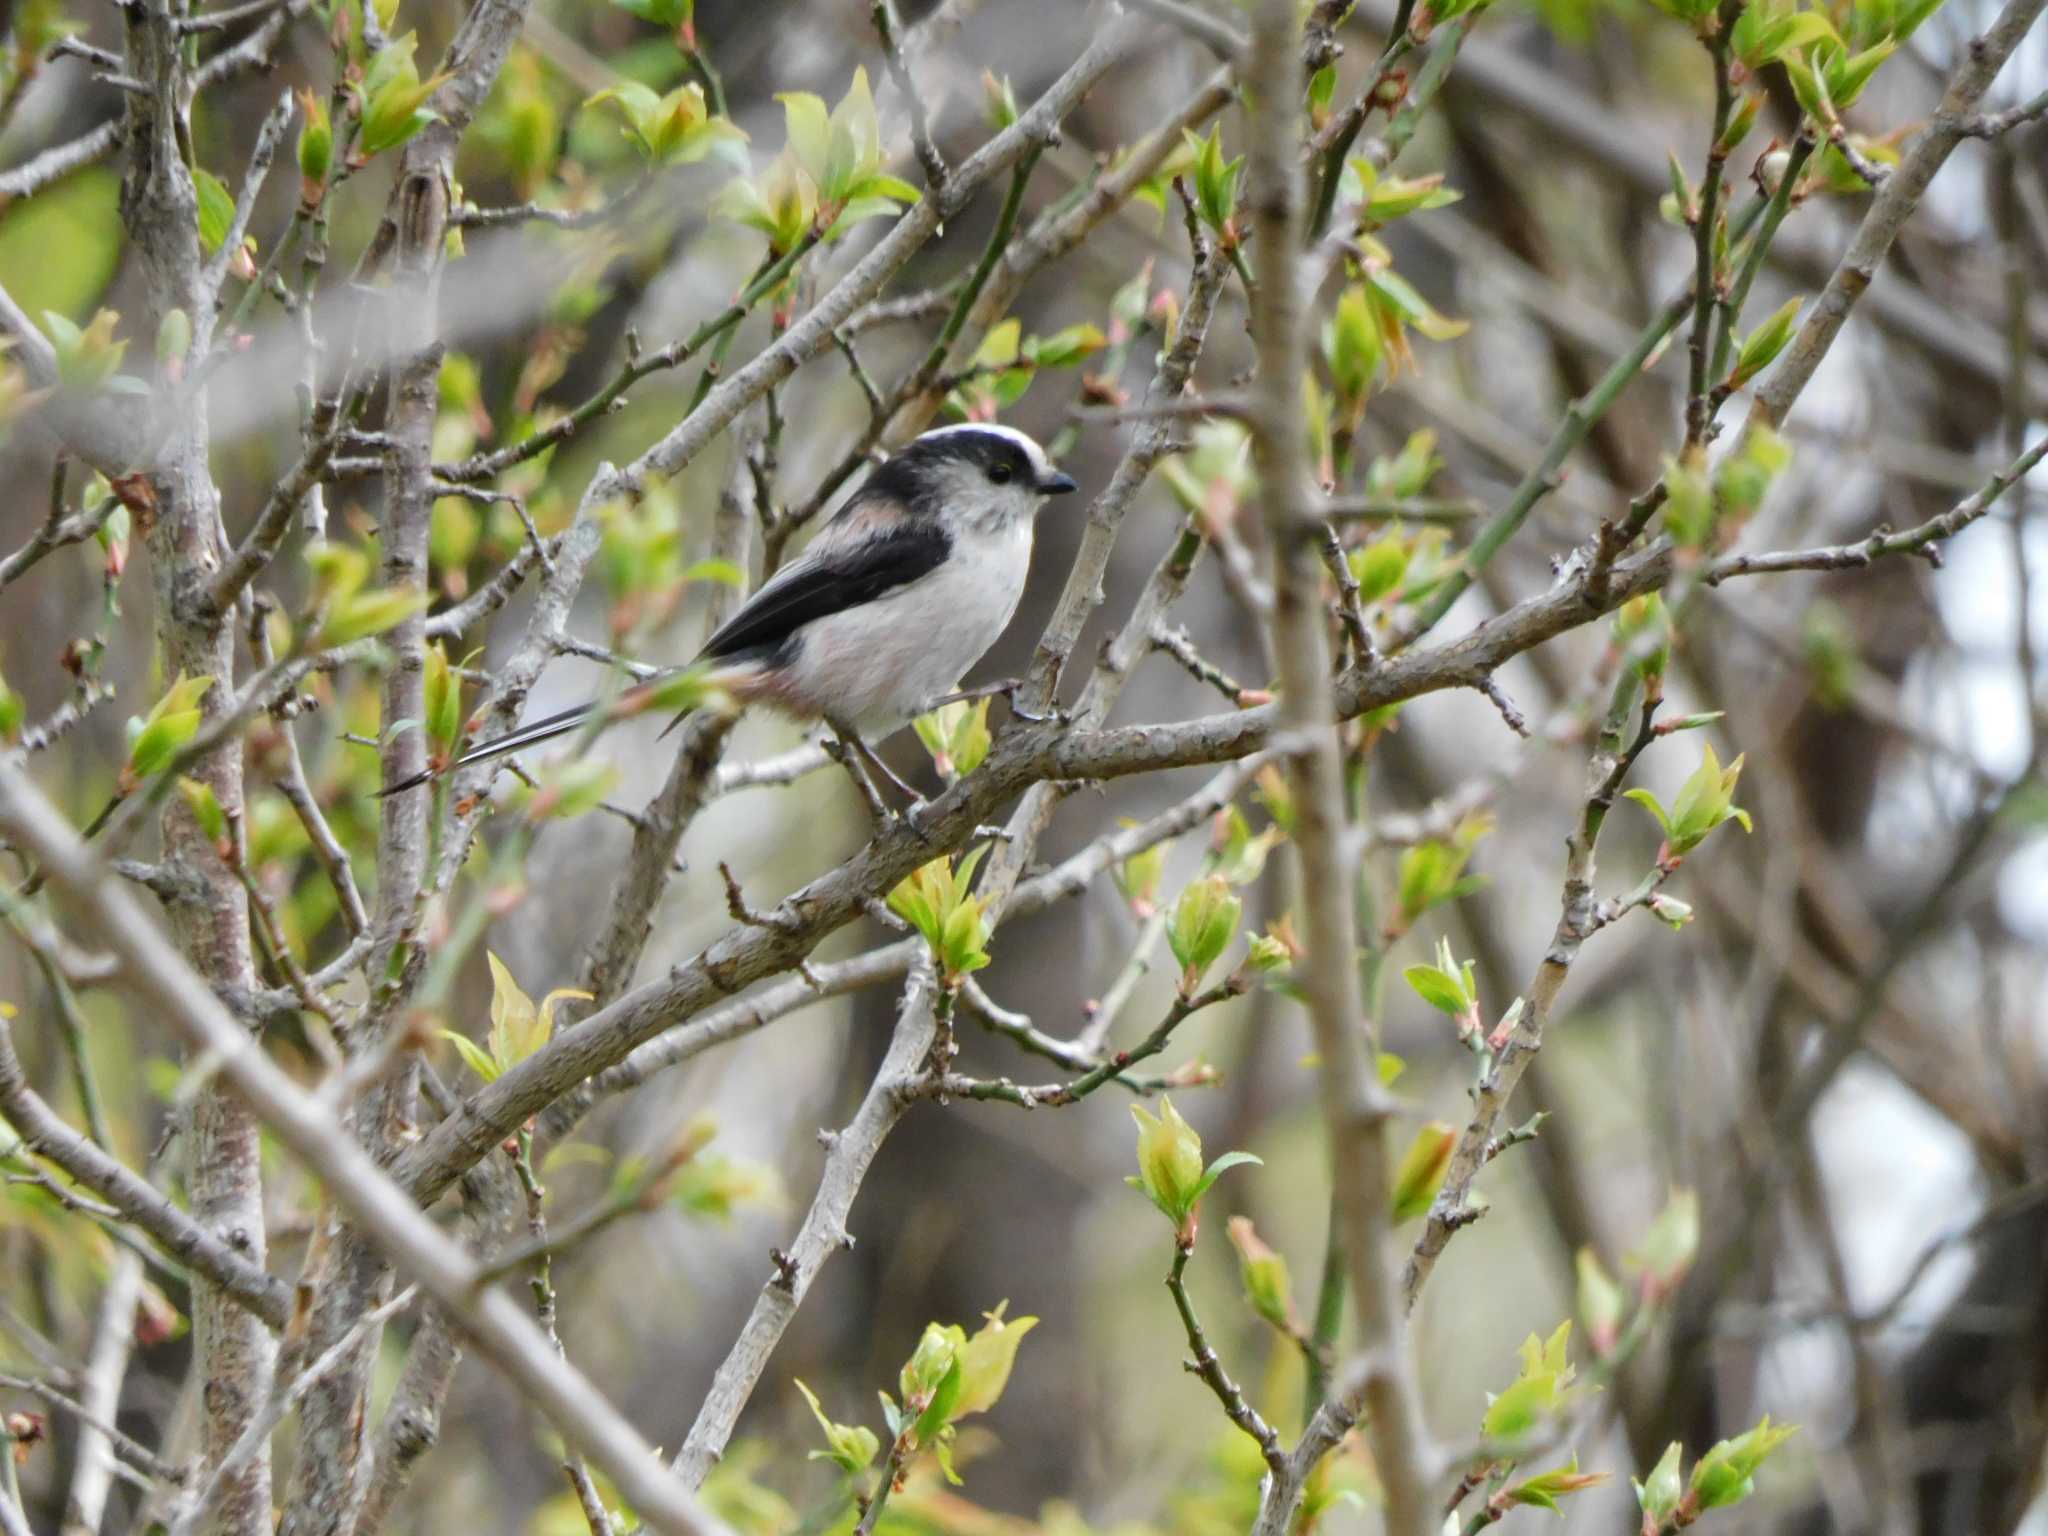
877,665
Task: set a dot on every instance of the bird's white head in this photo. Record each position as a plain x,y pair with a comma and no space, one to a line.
974,474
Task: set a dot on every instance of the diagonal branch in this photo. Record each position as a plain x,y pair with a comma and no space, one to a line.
823,1232
499,1326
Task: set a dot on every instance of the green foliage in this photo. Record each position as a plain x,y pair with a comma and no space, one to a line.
13,710
1642,634
1601,1301
1215,184
999,101
1827,641
156,739
1688,499
1007,361
1726,1474
676,129
443,699
200,799
315,148
1669,1245
1762,346
675,16
89,356
986,1359
1203,923
714,1186
348,611
949,1376
1770,30
1214,476
1420,1173
1267,1285
570,789
1139,875
518,1026
850,1447
1448,987
1170,1171
173,338
1541,1390
216,209
1546,1488
956,735
1704,801
1659,1493
394,97
935,901
1379,566
1742,480
828,178
521,122
1432,872
60,249
1382,199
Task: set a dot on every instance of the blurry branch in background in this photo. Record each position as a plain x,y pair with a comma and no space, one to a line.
494,1323
1342,564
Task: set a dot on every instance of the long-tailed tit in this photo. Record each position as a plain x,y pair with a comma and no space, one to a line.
904,590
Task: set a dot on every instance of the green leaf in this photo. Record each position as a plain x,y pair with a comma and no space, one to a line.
1765,343
1649,802
1725,1475
571,789
809,128
1659,1493
724,572
1435,988
1420,1173
1221,1166
853,1447
1601,1301
365,614
60,248
1522,1407
394,97
986,1360
1670,1244
1170,1168
1544,1490
216,209
1068,347
1267,1285
443,698
473,1055
1204,921
205,807
1379,567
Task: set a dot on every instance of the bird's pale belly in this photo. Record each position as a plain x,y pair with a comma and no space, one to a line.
878,665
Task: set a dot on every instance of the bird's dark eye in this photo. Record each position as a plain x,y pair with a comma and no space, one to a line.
1000,474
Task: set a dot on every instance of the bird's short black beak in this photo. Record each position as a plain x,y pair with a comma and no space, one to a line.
1057,484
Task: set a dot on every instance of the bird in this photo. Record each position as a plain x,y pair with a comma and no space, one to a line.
903,590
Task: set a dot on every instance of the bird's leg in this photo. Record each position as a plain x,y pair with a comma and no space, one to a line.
860,761
1007,689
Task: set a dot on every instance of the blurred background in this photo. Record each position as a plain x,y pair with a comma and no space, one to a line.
1845,1055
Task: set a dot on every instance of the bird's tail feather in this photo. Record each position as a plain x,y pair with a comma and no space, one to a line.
531,734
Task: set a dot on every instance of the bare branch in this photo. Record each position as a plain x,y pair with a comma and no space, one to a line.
500,1328
823,1233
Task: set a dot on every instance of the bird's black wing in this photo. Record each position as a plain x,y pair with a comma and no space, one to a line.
825,582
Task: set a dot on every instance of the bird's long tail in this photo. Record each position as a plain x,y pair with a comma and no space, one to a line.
532,734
